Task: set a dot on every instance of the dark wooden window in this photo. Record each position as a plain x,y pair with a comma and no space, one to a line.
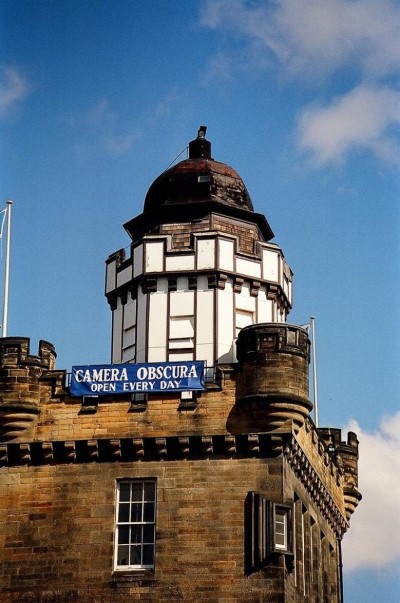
268,531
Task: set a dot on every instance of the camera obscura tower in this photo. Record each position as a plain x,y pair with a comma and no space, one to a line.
223,493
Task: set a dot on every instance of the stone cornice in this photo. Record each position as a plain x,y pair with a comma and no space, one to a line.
191,447
306,473
147,449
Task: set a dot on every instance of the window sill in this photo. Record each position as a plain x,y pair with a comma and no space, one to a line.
124,578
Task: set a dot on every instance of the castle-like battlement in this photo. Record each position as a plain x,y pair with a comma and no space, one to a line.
346,455
15,352
20,395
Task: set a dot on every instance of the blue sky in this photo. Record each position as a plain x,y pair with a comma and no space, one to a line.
97,97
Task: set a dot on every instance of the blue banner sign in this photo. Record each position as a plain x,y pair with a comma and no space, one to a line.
106,379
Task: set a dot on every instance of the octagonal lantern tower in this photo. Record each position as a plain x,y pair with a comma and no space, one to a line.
200,267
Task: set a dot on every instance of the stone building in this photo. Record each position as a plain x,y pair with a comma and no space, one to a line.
226,492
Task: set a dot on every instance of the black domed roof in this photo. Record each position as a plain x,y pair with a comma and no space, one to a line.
198,179
193,189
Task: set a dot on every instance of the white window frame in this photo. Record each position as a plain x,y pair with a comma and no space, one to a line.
280,529
135,524
283,527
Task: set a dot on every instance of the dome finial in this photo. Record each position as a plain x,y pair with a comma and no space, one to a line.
202,132
200,148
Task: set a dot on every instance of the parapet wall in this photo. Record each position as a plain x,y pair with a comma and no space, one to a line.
20,387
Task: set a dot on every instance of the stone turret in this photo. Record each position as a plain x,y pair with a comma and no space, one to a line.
20,373
273,374
346,455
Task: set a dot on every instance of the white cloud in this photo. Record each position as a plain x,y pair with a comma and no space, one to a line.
311,41
219,68
100,114
100,127
314,36
372,541
103,127
165,105
366,118
104,119
320,36
118,145
13,88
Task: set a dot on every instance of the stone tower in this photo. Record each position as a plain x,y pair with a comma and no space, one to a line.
224,493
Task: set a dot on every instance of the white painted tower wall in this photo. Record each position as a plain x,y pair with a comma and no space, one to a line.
194,319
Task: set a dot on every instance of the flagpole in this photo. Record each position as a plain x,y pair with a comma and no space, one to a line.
7,271
314,361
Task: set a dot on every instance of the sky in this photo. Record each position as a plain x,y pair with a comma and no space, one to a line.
98,97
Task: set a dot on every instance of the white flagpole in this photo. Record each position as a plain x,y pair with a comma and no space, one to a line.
7,271
314,361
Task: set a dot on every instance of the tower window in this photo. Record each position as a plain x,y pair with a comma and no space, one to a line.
281,529
282,521
181,332
129,344
244,318
135,525
268,529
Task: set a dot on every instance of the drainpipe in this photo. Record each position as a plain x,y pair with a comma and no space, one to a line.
340,570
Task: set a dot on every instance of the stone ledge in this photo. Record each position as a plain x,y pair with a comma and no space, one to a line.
262,445
127,579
